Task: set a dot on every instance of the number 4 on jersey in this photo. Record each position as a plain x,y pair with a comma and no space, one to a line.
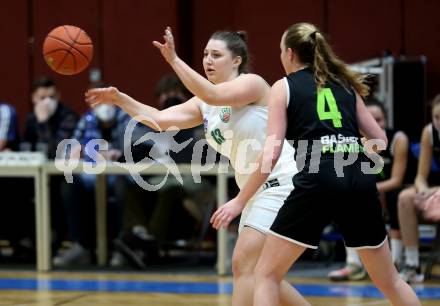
325,95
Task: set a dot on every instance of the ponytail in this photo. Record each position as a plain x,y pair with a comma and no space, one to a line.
312,49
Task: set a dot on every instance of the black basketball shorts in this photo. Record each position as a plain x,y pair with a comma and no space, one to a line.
318,199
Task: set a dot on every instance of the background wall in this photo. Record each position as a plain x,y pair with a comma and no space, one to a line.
122,31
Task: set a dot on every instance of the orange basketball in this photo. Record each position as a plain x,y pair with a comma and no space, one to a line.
68,50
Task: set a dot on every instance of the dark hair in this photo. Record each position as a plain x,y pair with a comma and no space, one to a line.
44,82
435,101
312,49
372,101
170,82
236,42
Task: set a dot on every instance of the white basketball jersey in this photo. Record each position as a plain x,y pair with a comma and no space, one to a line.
239,134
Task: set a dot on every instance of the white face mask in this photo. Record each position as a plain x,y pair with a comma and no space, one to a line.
105,112
52,105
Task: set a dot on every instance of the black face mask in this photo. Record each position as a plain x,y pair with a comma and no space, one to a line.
171,101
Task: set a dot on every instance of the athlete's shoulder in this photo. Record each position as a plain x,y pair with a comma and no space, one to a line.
427,134
281,82
281,85
397,139
427,129
254,78
197,102
280,92
400,136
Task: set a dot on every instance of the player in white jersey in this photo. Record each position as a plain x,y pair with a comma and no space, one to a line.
232,105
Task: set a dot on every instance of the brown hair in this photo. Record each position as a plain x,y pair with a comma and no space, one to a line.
435,101
168,83
312,49
236,43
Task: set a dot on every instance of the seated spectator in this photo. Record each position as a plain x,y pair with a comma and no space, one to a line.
8,128
175,211
46,126
50,122
11,210
390,181
413,200
431,210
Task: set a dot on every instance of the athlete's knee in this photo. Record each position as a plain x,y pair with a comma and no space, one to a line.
260,271
406,199
236,264
264,272
242,262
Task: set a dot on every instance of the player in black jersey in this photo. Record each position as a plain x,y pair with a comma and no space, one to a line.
413,200
398,172
319,107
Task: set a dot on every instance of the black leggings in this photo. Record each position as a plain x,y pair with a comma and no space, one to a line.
391,199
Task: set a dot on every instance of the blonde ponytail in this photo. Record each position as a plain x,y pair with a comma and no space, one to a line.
312,49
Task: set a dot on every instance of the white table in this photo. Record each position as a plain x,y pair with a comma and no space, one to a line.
28,164
43,227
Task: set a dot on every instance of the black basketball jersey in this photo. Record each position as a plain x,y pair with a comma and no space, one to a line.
387,156
435,144
326,119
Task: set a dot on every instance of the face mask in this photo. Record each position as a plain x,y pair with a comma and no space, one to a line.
52,105
105,112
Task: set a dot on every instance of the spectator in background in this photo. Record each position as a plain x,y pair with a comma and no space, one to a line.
175,211
8,127
413,200
11,209
49,123
105,122
432,207
169,92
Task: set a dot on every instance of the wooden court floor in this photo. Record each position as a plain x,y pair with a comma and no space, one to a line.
135,289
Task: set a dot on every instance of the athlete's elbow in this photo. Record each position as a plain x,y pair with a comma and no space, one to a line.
160,125
380,142
384,140
155,123
213,100
154,126
397,182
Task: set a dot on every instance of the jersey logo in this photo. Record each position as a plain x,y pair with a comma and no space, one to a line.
225,114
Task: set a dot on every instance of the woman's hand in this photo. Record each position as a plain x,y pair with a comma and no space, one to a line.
109,95
167,49
226,213
421,197
432,207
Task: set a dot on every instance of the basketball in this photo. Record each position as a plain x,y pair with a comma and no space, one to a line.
68,50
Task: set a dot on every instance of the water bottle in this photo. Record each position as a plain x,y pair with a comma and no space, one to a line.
91,132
